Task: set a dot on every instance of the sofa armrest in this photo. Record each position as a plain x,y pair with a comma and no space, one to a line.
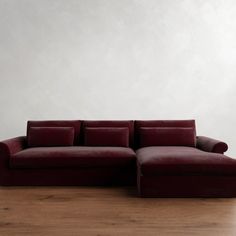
10,147
211,145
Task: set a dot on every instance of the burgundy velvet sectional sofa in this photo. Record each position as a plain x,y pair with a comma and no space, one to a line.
164,158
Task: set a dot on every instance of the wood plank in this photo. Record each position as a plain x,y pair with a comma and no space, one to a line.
110,211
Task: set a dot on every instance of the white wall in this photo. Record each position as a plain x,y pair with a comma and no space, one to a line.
119,59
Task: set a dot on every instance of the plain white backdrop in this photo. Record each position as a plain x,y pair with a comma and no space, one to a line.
119,59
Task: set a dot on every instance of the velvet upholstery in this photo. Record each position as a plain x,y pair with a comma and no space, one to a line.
211,145
7,148
108,136
187,186
50,136
164,123
174,160
184,172
167,136
100,176
63,157
110,123
161,171
58,123
161,123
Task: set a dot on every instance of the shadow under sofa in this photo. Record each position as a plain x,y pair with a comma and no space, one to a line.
164,158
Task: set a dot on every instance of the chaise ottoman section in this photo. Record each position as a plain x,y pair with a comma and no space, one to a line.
178,171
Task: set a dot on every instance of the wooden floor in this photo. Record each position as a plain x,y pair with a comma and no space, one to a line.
109,211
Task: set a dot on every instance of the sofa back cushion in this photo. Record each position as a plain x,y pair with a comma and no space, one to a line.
58,123
108,136
50,136
165,133
167,136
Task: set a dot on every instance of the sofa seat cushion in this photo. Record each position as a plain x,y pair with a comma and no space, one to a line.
50,157
176,160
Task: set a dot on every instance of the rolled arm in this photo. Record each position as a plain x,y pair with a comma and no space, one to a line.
11,146
8,148
211,145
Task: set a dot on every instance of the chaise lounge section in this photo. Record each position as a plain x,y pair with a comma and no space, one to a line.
181,165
